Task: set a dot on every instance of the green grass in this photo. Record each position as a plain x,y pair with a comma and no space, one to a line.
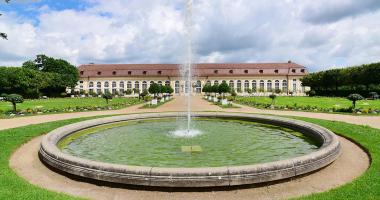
364,187
321,103
65,104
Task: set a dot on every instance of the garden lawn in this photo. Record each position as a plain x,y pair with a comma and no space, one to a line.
365,187
322,103
61,104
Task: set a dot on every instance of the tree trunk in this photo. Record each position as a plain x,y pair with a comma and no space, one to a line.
107,101
14,107
354,103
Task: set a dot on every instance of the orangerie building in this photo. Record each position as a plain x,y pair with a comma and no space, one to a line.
261,78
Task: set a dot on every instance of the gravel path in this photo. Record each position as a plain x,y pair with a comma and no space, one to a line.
352,162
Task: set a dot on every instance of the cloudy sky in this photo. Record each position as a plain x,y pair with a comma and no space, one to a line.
318,34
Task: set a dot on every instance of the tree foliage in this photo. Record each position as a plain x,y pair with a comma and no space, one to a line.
223,88
341,82
50,78
154,89
107,96
14,99
354,98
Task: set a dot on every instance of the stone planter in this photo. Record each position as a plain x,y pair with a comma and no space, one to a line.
162,100
215,99
209,98
154,102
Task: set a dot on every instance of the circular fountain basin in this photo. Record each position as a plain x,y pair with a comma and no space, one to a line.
228,149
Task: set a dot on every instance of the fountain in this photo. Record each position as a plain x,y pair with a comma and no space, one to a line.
149,149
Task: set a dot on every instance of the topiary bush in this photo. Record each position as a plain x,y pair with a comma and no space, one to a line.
354,98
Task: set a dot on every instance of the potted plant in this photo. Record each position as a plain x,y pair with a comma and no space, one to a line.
107,96
222,90
354,98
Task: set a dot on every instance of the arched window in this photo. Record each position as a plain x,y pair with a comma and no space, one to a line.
137,85
198,87
91,84
246,86
159,82
151,83
129,85
238,86
277,85
285,86
113,84
208,83
98,84
216,82
262,86
106,84
176,87
167,83
269,86
121,84
144,85
254,86
231,84
187,86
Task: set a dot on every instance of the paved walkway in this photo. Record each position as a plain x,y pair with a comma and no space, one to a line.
198,104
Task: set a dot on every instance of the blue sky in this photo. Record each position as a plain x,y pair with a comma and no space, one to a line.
318,34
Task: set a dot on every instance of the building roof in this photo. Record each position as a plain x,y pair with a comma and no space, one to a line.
202,69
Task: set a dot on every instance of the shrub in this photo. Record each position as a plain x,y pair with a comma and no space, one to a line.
273,97
107,96
311,93
277,91
14,99
354,98
128,92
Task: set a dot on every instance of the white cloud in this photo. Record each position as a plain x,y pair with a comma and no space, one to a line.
120,31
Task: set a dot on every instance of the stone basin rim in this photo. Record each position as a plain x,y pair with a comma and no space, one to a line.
329,150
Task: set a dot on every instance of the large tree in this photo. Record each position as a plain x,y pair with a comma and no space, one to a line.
4,35
63,74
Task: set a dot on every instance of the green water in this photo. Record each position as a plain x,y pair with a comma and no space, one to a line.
223,143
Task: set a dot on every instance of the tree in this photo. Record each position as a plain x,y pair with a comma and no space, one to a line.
223,88
154,89
107,96
66,75
354,98
169,90
215,88
4,35
144,94
14,99
206,89
273,97
233,94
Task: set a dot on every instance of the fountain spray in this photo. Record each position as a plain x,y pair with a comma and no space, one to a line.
188,63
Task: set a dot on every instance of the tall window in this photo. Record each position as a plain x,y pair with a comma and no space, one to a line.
91,84
187,86
231,84
151,83
114,84
159,82
208,83
98,84
176,87
238,86
145,85
246,86
277,85
216,82
284,86
106,84
254,86
294,85
121,85
129,85
269,86
137,85
167,83
198,87
262,86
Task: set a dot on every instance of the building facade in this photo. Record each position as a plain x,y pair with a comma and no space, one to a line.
260,78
